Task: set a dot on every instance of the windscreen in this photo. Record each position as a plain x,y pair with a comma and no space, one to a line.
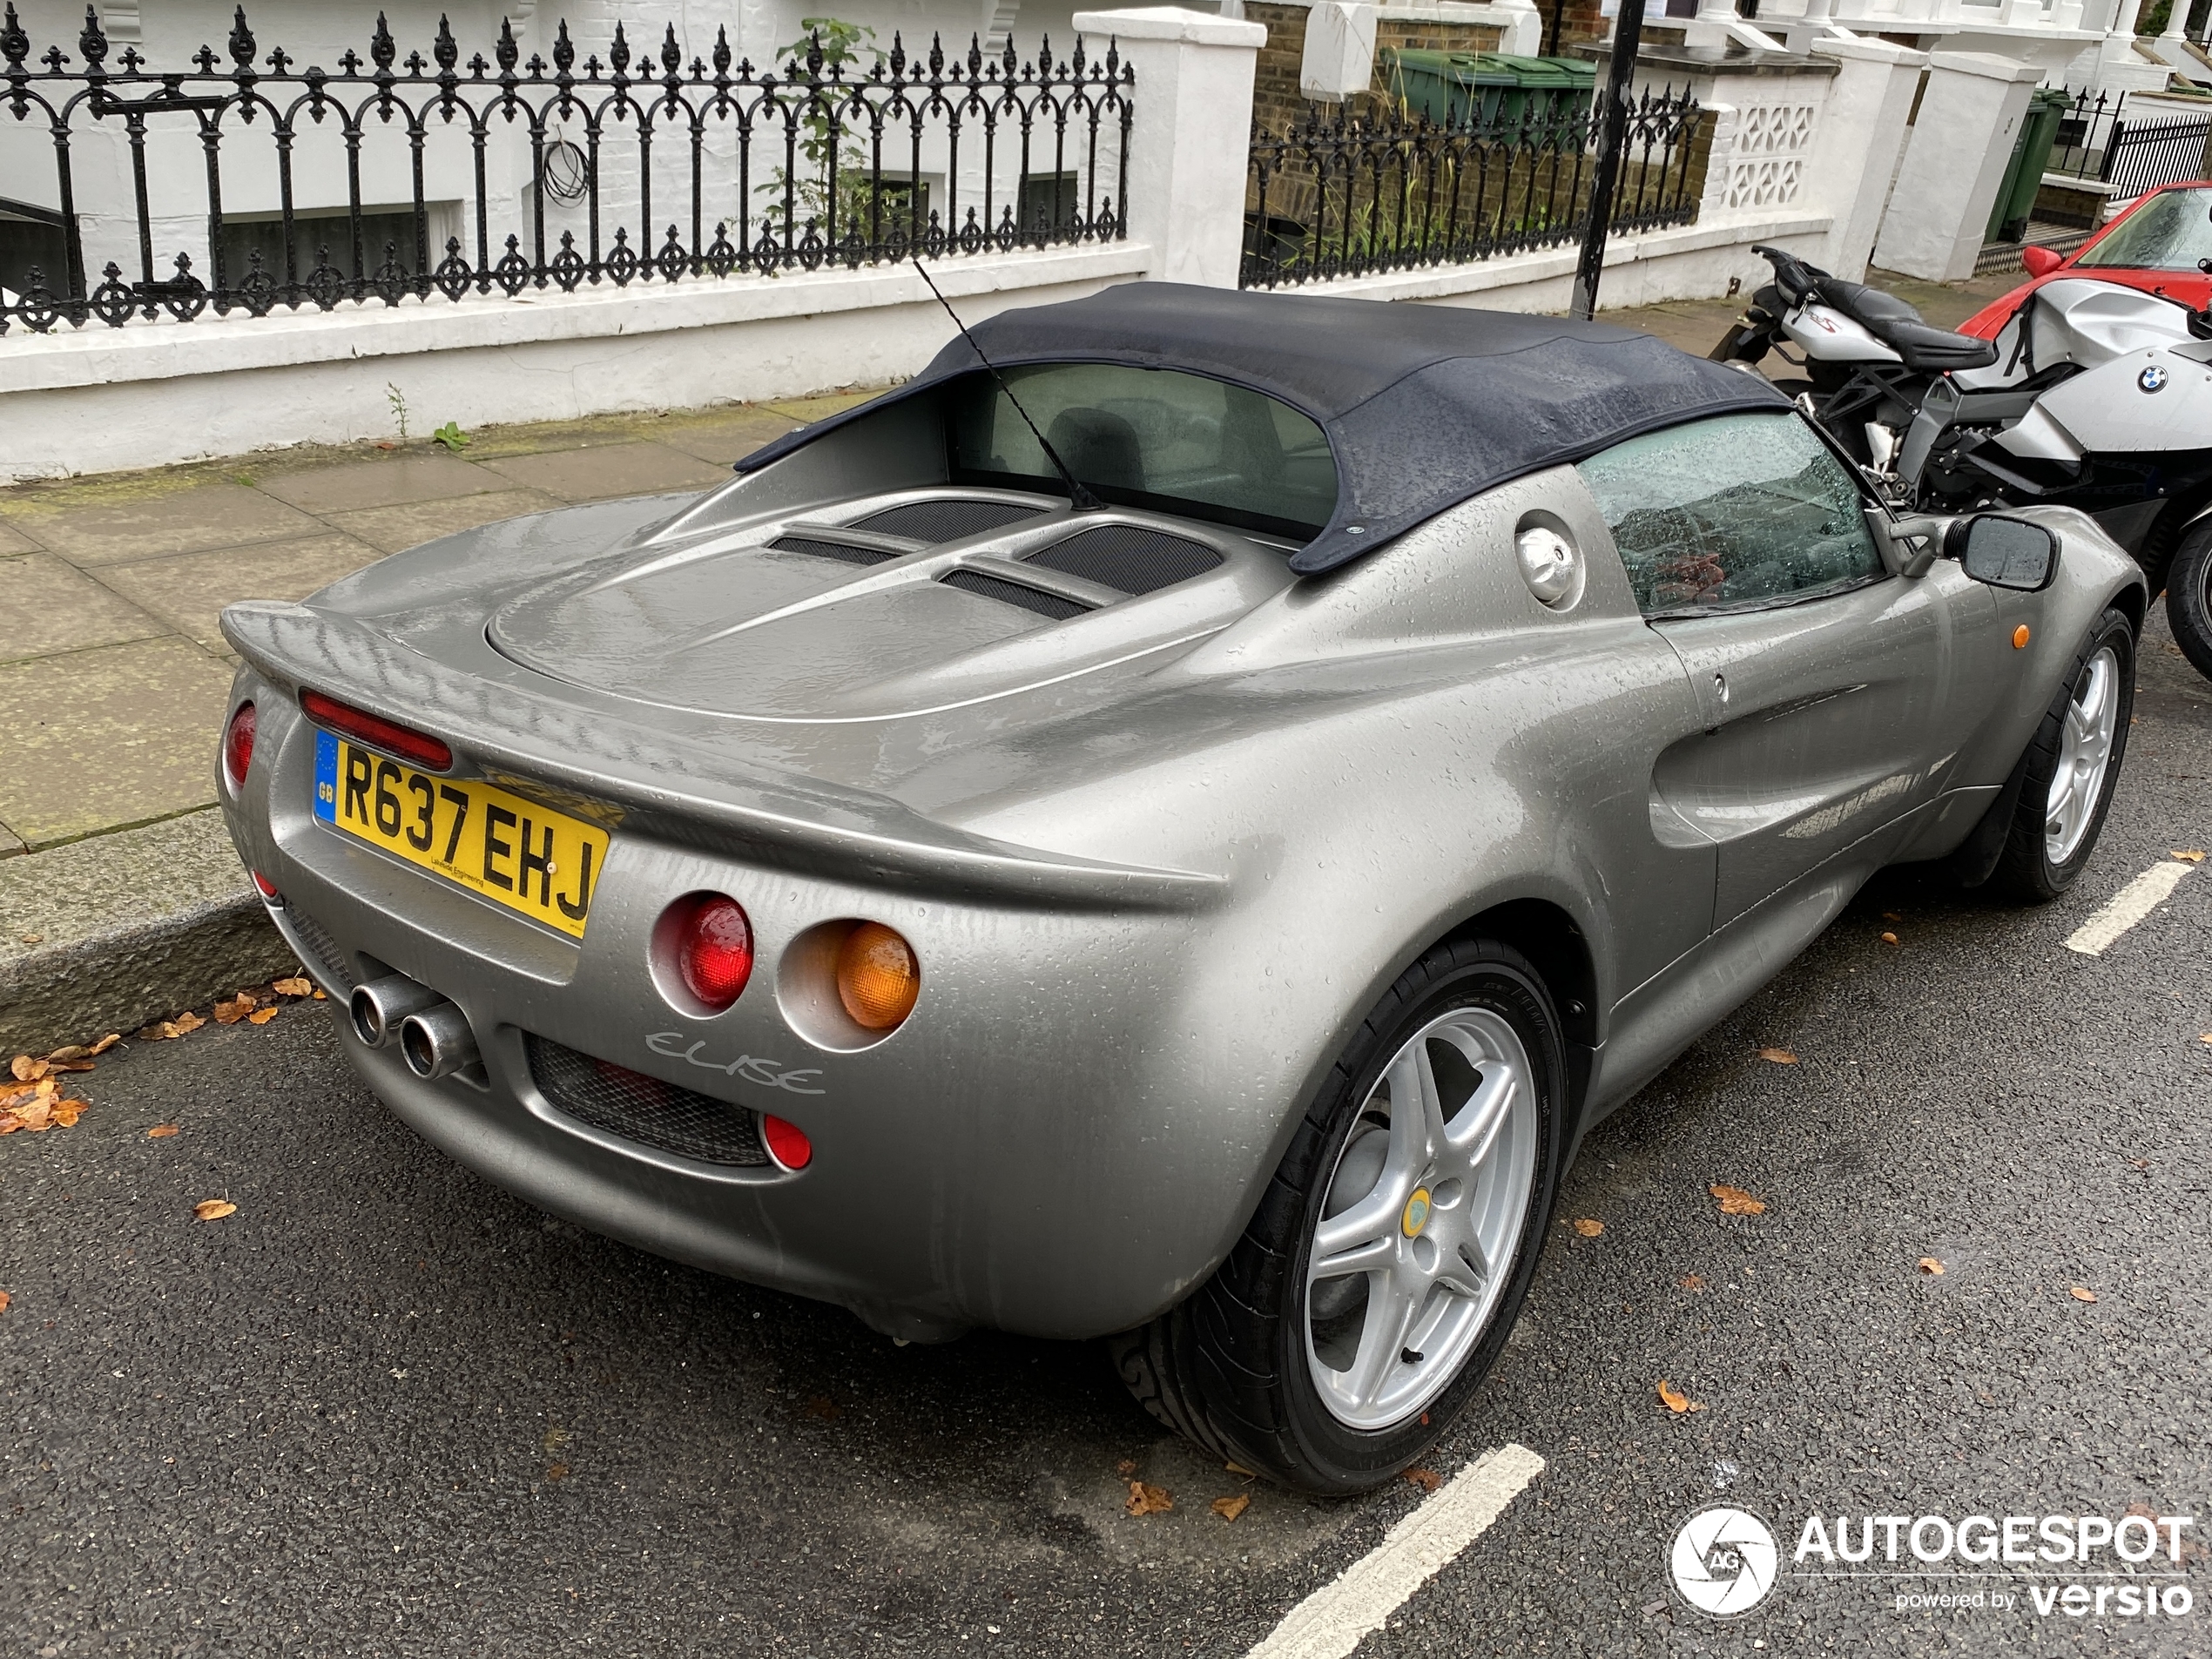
2168,232
1147,437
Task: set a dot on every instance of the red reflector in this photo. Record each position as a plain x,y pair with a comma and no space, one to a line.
714,950
238,744
377,731
787,1143
268,889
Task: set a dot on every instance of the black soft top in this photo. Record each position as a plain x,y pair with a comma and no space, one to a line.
1424,406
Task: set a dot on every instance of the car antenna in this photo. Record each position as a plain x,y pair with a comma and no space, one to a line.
1079,498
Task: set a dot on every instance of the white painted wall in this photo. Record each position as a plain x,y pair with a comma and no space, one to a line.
103,400
1954,164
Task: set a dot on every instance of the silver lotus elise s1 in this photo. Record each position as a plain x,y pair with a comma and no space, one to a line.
1169,825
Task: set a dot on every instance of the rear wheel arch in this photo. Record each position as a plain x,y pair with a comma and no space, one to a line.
1557,946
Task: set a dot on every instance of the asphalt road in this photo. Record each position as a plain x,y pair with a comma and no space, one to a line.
386,1409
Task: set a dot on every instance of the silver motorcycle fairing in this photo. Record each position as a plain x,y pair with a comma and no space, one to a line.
2081,321
2149,402
1823,333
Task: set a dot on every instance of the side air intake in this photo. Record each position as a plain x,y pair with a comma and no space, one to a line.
1129,557
945,520
831,550
1014,593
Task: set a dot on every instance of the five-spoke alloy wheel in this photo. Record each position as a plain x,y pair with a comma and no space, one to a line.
2066,778
1384,1267
1407,1257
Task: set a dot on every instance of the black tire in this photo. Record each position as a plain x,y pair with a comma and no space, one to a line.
1227,1368
2025,870
2189,597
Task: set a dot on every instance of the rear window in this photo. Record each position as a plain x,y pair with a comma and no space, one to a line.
2168,232
1147,437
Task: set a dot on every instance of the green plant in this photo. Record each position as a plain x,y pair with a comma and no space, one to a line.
397,399
832,170
452,436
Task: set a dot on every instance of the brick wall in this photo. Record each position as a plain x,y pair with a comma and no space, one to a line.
1277,104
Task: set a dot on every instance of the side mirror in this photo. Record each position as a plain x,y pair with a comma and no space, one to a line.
2040,261
2007,552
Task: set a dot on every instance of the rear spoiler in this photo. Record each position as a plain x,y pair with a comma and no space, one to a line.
776,818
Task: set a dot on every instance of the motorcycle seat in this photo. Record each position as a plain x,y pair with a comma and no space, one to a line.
1897,325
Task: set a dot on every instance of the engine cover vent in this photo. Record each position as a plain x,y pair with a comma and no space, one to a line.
831,550
1012,593
1129,557
945,520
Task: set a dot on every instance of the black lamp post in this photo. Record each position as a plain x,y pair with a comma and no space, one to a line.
1628,35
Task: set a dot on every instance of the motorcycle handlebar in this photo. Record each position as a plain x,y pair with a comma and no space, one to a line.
1797,280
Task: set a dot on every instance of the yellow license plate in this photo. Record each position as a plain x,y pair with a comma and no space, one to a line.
512,851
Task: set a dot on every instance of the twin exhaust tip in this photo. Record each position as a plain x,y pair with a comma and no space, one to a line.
433,1034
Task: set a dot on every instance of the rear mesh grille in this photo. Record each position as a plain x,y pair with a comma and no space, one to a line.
1012,593
831,550
642,1108
1129,557
945,521
320,944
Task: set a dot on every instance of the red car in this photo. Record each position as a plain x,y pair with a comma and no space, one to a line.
2162,243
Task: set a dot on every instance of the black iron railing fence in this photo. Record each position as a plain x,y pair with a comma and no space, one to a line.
1347,197
258,186
2098,138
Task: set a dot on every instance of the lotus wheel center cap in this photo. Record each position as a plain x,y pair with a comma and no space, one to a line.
1416,1216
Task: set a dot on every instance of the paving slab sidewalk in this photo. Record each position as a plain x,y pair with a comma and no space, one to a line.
114,675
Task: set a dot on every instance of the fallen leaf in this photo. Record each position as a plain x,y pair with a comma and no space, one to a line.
297,985
2080,1295
53,1064
66,1112
1148,1501
1691,1282
320,997
1233,1468
1932,1267
34,939
1779,1056
1675,1401
214,1209
1889,939
183,1025
262,1016
1426,1480
27,1070
1589,1228
1737,1202
161,1131
1892,915
558,1472
5,1299
237,1008
33,1113
1126,1468
2189,855
2138,1164
1229,1509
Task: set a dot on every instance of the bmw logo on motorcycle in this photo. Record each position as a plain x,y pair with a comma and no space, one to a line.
2152,378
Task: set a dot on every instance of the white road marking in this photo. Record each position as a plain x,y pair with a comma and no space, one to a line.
2129,905
1329,1623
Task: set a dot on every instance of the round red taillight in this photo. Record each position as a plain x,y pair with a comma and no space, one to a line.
238,744
787,1143
714,950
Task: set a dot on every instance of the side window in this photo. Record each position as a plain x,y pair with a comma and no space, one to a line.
1732,513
